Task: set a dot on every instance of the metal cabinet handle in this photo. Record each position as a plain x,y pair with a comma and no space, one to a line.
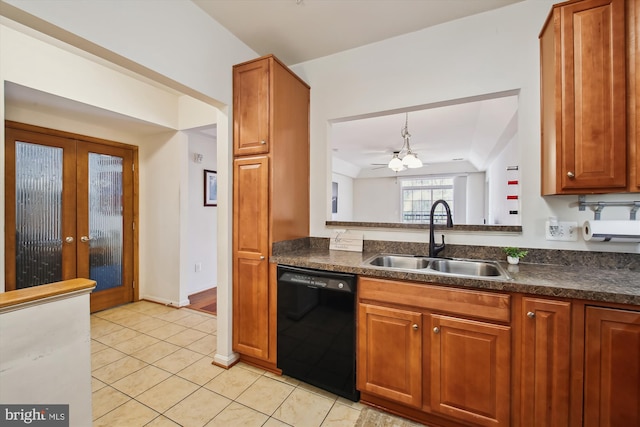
436,330
85,239
68,239
261,257
531,315
571,174
415,326
263,142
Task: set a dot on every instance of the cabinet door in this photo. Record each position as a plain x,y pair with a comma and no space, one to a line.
470,370
390,353
612,368
546,332
251,107
250,252
633,97
593,95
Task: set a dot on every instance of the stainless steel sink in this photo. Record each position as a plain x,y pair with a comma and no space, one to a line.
445,266
466,267
403,262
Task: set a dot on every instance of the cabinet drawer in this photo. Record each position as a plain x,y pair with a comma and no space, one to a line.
465,302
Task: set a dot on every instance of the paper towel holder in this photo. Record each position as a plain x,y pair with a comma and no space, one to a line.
599,206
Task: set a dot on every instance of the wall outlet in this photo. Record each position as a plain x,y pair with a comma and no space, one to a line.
198,267
564,230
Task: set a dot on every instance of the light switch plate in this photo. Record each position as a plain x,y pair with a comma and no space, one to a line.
564,230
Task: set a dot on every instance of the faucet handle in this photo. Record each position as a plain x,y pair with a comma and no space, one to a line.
438,247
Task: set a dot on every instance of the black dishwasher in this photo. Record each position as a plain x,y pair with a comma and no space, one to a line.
317,328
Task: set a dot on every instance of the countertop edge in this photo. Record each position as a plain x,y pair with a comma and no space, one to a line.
534,279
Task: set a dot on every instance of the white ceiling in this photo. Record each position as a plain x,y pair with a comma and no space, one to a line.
462,136
300,30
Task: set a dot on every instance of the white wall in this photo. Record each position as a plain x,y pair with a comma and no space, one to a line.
48,361
174,43
376,200
147,116
460,200
379,199
160,208
174,39
345,198
202,232
206,53
487,53
498,177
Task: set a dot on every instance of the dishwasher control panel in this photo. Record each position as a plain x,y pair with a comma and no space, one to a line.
319,279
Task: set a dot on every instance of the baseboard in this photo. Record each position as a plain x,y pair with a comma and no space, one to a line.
164,301
226,361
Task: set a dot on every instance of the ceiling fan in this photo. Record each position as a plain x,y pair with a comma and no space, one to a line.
405,157
384,165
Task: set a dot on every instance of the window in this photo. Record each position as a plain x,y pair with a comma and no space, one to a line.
419,194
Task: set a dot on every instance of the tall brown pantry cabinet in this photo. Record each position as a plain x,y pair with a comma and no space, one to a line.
270,194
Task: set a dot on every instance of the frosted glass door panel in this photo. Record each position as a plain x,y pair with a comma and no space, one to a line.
38,204
69,212
105,220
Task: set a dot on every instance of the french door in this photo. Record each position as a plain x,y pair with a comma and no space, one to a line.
69,213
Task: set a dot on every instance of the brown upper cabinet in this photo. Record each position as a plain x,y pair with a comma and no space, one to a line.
251,108
588,88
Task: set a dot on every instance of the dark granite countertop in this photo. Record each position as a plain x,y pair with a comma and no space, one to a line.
620,285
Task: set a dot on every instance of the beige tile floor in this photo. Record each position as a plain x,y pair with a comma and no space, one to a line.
151,366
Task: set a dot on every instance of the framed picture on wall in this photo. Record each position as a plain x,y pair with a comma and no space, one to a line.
210,188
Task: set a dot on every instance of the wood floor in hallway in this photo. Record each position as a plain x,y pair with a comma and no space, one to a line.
206,301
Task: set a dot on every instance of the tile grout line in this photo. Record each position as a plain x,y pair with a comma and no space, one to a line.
115,319
171,374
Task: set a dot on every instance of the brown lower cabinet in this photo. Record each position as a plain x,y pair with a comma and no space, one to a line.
470,370
390,348
456,357
417,347
612,368
545,356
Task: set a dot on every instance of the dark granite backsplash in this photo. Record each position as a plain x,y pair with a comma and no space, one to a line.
604,260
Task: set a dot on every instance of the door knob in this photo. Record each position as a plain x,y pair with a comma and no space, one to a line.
263,142
531,315
261,257
571,174
68,239
436,330
84,239
415,326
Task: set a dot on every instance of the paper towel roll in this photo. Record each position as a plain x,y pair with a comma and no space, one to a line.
611,231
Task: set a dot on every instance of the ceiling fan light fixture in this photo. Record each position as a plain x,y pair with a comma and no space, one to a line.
409,160
413,162
395,164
